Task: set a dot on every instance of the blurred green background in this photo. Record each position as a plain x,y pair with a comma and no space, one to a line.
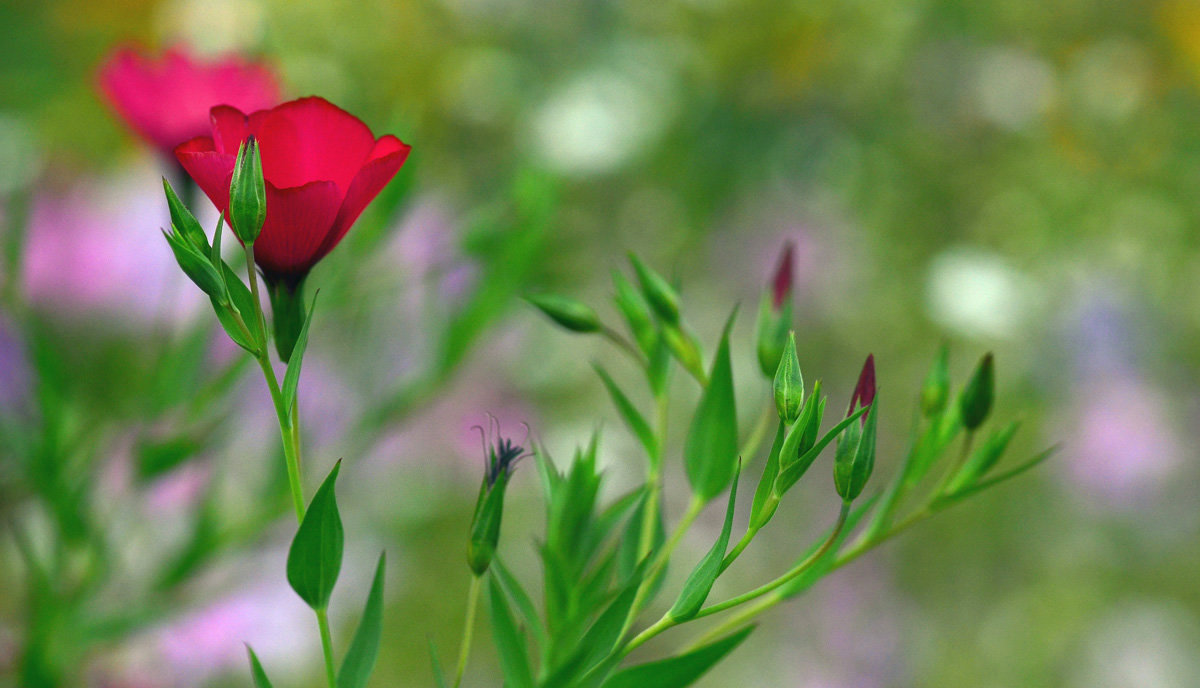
1008,175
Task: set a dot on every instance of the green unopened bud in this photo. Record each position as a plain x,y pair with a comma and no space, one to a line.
637,313
789,383
485,526
855,457
196,266
771,334
659,293
975,402
983,459
936,391
248,193
573,315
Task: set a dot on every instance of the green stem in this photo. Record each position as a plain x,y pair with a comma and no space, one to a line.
327,647
787,577
845,558
289,430
464,650
667,622
622,343
738,548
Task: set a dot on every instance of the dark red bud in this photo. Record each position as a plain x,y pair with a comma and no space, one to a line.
781,286
864,391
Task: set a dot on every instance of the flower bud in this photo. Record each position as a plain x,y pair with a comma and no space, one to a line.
781,286
936,391
975,402
855,458
771,335
864,391
775,314
685,349
500,458
637,314
661,296
247,193
569,313
789,383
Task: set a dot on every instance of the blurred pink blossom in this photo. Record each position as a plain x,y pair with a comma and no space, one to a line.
94,252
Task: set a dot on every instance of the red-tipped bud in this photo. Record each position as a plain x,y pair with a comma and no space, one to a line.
864,391
781,285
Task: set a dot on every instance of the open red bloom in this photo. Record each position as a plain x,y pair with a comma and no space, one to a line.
322,167
167,101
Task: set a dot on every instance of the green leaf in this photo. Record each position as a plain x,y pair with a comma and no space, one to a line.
699,583
637,313
256,670
510,642
315,557
364,649
983,459
943,502
439,677
195,265
632,417
760,513
677,672
521,599
711,450
242,299
184,221
601,637
291,379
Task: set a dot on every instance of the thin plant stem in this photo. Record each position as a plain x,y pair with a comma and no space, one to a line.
468,633
327,646
623,344
667,622
289,430
745,615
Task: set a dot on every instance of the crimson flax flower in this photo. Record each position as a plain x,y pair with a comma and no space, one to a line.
167,100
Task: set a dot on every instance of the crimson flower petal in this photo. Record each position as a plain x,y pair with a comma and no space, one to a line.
383,164
298,220
311,139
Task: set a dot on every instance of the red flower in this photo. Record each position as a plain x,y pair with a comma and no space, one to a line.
167,101
322,167
864,391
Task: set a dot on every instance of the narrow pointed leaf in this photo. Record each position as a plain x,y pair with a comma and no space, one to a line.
256,670
439,677
699,583
677,672
291,380
510,643
995,480
364,649
710,452
521,599
632,417
315,558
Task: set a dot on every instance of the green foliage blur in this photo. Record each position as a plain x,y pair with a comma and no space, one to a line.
1009,176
